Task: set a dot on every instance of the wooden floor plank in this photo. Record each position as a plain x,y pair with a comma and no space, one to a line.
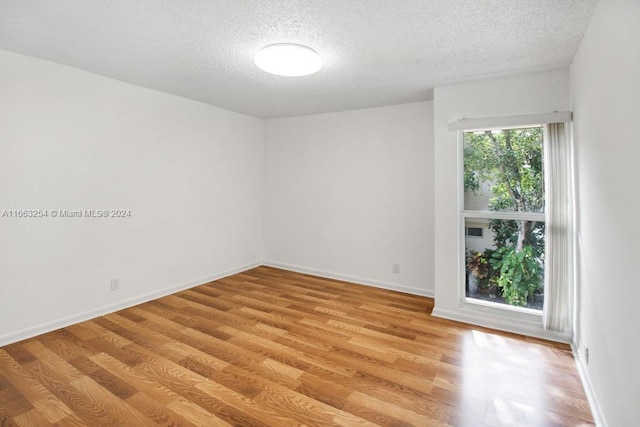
268,347
154,410
31,418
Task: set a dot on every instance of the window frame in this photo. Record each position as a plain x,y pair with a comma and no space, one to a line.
463,215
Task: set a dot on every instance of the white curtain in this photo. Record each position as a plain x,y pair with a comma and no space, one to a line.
557,315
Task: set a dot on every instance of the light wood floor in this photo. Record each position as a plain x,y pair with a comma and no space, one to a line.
269,347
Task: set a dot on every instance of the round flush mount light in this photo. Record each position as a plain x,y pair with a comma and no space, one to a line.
288,59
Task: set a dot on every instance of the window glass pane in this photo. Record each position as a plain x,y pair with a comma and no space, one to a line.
506,265
503,170
474,231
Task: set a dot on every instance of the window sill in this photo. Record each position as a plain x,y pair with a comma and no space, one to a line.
500,306
486,315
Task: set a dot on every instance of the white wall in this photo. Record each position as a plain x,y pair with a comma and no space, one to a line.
350,193
507,96
479,244
190,173
605,77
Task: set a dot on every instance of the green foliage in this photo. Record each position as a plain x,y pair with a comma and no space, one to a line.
478,264
536,239
511,162
505,232
520,273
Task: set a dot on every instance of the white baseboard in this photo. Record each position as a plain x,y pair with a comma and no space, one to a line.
352,279
101,311
596,410
506,324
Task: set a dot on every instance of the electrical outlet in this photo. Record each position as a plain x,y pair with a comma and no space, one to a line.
586,355
115,283
395,268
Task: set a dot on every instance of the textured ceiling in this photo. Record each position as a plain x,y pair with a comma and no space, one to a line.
375,52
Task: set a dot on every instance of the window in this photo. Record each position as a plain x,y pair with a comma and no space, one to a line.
473,231
504,196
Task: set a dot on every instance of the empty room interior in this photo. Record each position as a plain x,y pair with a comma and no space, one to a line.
287,212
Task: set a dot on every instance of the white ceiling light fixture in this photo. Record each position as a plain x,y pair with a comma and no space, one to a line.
288,59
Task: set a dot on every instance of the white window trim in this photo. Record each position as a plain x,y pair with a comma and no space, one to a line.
464,302
516,216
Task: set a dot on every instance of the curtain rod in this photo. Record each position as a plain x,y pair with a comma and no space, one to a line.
480,123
